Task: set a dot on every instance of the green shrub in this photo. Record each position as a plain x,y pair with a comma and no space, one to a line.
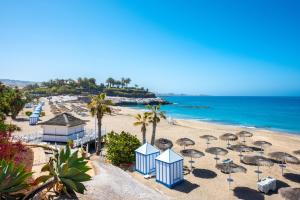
13,180
121,147
8,127
126,92
70,143
28,113
68,171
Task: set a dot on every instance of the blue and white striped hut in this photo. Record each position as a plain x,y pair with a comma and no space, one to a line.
169,168
34,118
38,108
145,158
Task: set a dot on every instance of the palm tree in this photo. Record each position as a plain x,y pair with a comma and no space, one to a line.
123,82
143,121
118,83
127,81
110,81
155,115
98,107
113,83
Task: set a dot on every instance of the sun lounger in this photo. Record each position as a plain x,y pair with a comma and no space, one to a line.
151,175
267,184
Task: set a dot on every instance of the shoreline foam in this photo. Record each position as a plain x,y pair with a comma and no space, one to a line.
212,121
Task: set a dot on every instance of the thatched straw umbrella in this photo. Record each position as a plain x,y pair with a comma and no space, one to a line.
217,151
262,145
163,144
240,148
289,193
258,161
284,158
208,138
185,142
229,167
228,137
296,152
244,134
192,153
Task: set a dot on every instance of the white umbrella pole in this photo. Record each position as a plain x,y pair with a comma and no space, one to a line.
258,173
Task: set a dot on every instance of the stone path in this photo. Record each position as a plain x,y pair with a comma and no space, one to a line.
114,184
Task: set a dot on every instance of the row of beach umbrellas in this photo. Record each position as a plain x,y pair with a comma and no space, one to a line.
230,167
282,157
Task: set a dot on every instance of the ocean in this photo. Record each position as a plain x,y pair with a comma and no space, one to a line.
274,113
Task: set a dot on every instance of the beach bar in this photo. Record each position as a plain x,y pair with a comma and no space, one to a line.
145,158
63,127
169,168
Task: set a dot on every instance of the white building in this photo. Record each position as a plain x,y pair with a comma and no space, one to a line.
63,127
169,168
145,158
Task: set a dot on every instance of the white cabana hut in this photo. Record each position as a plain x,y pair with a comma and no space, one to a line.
145,158
34,118
63,127
169,168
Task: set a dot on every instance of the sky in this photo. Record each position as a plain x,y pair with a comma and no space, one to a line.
192,47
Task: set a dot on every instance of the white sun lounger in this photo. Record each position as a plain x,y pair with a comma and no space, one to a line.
267,184
151,175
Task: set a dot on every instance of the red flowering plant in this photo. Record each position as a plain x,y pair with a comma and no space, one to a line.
10,150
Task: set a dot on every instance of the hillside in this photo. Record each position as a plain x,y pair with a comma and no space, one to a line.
18,83
87,86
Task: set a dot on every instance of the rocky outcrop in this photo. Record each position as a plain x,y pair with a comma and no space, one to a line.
124,101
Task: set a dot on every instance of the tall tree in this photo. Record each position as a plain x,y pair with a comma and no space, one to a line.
143,121
100,106
113,83
155,115
123,82
17,102
127,81
110,81
118,83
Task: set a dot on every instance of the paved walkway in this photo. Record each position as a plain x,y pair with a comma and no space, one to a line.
114,184
39,160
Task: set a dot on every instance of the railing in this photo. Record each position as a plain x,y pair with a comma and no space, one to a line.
88,138
79,139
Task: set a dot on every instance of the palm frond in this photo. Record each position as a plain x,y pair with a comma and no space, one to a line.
137,123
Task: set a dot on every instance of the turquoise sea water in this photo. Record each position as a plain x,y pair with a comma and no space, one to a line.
276,113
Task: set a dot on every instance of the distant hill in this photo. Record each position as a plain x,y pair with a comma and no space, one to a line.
17,83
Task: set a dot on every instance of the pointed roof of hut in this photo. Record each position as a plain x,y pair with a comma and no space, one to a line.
169,156
147,149
64,119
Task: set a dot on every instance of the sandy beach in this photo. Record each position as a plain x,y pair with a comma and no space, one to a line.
206,182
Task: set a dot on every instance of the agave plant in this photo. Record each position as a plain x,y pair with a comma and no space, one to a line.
12,180
66,172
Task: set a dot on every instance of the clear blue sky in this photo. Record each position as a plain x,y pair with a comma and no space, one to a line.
196,47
